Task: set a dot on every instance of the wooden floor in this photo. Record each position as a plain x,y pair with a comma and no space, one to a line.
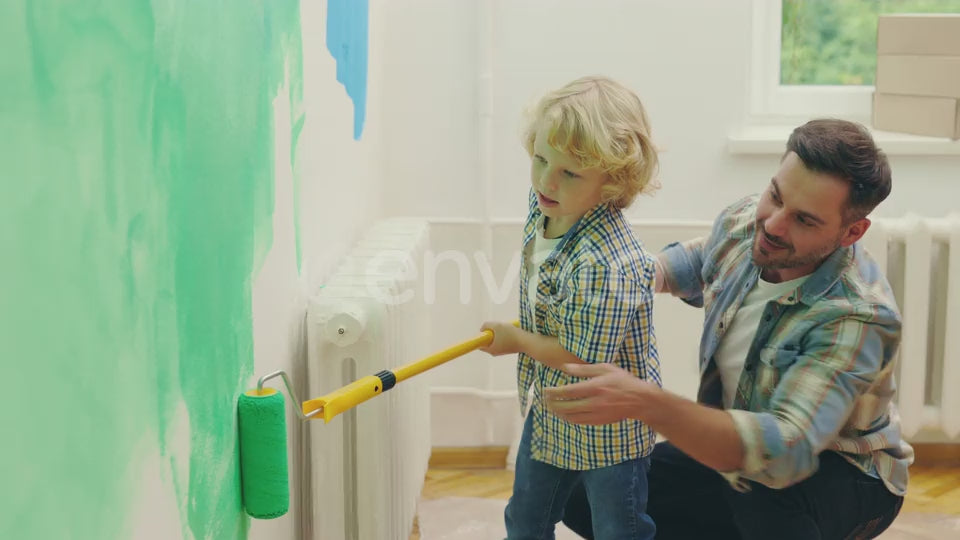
934,490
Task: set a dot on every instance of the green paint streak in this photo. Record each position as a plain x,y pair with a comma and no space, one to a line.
297,119
135,205
297,128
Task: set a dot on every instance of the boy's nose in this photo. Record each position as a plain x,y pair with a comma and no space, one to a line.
548,182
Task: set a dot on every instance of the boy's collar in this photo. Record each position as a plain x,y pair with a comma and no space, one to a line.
586,222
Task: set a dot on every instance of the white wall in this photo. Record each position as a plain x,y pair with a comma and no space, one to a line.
337,175
687,59
150,264
430,107
689,62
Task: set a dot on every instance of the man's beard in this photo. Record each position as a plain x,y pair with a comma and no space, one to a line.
785,257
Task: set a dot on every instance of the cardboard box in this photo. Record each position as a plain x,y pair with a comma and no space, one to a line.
919,75
919,115
919,34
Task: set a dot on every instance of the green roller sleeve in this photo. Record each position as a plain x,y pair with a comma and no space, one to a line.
263,453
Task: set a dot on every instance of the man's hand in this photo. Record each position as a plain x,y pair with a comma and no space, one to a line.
506,338
610,394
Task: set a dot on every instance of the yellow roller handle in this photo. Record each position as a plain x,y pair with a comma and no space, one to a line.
345,398
355,393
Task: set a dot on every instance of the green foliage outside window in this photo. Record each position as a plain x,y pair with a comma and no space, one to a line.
834,42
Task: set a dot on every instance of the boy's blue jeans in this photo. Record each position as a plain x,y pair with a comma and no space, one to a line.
617,496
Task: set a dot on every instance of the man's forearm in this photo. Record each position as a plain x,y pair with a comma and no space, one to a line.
659,278
546,350
706,434
678,270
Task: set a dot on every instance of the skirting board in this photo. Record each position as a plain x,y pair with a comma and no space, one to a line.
478,457
937,454
468,418
493,439
495,457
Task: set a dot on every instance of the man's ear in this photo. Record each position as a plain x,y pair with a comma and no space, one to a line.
855,231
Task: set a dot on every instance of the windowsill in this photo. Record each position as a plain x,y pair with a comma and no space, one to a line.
772,139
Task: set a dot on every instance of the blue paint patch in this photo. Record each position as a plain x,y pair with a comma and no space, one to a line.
347,34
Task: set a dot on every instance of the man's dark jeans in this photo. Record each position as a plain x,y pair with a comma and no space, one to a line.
689,501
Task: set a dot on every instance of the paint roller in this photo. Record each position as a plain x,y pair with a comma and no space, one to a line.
263,432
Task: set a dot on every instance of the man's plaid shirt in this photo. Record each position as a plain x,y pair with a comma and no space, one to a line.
819,374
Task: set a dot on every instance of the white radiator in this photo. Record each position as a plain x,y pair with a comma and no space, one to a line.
368,464
922,261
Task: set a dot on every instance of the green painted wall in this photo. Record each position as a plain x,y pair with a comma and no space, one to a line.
136,191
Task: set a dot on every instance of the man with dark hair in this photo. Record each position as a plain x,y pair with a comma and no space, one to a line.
794,434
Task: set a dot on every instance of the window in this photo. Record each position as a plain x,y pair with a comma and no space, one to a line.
818,57
835,42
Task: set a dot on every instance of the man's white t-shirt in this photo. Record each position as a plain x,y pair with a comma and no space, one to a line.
735,344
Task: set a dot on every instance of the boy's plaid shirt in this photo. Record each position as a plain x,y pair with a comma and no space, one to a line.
595,295
819,374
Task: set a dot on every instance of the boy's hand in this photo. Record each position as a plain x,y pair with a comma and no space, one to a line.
506,338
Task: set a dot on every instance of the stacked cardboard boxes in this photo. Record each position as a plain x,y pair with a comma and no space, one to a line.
918,75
